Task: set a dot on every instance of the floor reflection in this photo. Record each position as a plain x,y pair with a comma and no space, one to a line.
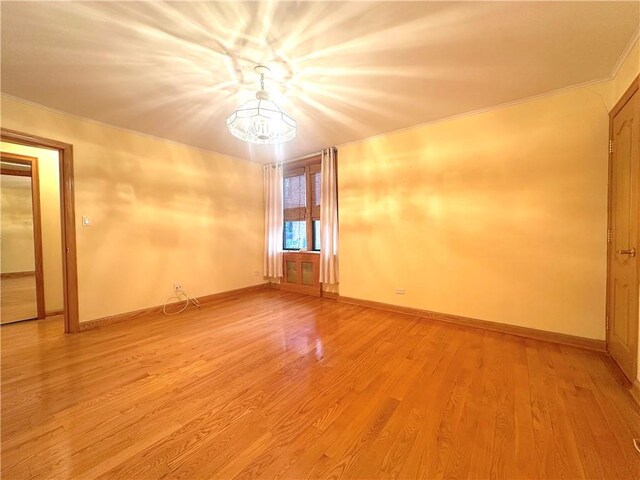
18,298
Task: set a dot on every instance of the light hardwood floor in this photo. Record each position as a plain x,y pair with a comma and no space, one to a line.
18,298
277,385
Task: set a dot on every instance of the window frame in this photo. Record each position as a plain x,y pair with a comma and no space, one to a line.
311,166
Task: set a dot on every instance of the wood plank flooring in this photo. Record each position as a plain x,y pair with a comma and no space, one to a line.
18,298
282,386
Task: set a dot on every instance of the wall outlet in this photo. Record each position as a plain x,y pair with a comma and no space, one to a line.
177,287
400,291
256,274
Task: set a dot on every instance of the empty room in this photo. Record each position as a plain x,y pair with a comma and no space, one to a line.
320,240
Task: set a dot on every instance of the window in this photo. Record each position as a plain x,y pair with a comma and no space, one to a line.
295,203
302,205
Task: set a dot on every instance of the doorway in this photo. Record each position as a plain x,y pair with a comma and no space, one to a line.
64,151
623,233
22,295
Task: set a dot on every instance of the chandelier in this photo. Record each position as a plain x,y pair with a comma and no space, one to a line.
261,120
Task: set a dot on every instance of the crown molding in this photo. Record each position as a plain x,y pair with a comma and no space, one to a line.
116,127
480,111
616,68
625,53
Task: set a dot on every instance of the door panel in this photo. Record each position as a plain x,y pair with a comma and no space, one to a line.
623,225
621,301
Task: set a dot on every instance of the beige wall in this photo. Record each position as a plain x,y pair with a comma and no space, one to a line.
16,225
49,183
499,216
161,212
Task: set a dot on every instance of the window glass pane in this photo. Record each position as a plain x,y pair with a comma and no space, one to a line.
295,192
295,235
316,188
316,234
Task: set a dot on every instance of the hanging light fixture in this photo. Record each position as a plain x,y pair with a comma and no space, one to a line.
261,120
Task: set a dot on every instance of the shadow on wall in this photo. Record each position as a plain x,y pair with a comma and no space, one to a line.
161,213
491,199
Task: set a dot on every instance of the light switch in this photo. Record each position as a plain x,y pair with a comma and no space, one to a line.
86,221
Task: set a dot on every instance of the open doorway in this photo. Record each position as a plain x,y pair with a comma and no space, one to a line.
51,226
21,257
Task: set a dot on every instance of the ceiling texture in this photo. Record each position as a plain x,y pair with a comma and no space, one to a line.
343,70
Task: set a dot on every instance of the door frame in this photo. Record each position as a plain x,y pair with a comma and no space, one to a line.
68,222
633,88
32,162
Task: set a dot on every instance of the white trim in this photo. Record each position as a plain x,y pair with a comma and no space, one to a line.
116,127
482,110
625,53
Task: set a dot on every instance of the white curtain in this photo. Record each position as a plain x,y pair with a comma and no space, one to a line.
329,217
273,219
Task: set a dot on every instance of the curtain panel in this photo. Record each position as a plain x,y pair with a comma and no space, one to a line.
329,217
273,220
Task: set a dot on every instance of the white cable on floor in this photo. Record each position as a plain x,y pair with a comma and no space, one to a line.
178,296
636,443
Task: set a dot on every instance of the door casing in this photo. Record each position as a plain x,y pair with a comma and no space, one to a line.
68,223
32,162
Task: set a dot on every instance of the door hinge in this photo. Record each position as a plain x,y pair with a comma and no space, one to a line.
609,233
610,146
606,323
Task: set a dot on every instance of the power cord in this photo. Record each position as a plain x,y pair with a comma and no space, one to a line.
180,295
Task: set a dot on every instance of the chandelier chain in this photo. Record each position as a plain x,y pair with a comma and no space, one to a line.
262,81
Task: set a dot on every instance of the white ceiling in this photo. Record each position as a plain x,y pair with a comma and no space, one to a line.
343,70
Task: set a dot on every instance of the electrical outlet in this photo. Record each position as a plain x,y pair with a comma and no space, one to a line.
177,287
256,274
400,291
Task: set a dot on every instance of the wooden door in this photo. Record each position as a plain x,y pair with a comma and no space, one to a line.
622,302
